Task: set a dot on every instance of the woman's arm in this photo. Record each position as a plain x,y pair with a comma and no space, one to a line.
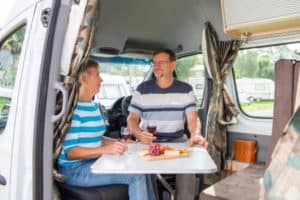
114,147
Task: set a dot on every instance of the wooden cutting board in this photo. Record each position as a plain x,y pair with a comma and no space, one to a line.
145,156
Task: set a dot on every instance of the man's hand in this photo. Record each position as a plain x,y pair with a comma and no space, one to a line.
145,137
198,140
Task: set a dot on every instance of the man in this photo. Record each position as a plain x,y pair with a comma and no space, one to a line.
166,103
84,142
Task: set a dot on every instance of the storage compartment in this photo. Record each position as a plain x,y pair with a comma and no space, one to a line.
260,17
245,150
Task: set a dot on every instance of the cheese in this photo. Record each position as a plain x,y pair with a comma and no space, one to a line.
142,152
172,152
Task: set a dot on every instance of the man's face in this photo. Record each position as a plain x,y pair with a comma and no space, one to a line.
92,80
163,66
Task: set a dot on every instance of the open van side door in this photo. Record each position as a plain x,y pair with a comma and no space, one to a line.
22,43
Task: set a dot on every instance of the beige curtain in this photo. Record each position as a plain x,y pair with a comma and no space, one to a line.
80,54
281,178
218,58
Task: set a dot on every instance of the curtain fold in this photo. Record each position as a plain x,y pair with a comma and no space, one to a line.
281,178
81,52
218,60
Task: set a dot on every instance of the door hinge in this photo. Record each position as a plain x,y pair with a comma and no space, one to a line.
45,17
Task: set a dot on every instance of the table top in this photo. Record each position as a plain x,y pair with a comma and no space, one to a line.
197,162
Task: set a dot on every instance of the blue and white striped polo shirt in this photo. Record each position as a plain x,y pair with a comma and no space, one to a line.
164,107
86,130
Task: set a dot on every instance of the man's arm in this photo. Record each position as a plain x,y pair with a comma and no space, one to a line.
194,126
133,123
193,122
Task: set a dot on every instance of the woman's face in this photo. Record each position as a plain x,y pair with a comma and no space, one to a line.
92,80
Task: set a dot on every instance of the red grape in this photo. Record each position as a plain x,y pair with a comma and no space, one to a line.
156,149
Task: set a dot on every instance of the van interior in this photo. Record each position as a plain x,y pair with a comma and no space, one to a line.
255,45
127,38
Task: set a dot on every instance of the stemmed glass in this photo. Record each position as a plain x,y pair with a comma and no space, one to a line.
125,133
151,128
126,136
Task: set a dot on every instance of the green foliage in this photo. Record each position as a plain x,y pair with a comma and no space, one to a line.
3,101
184,65
265,68
256,106
259,62
246,64
16,40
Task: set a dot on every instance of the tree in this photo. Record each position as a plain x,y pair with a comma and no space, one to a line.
184,65
265,67
246,64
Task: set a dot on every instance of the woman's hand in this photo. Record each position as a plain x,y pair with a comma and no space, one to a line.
129,141
115,147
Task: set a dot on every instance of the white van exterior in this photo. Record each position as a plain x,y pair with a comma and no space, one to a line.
196,80
22,174
256,89
112,88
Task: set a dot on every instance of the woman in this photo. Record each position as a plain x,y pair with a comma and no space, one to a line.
84,142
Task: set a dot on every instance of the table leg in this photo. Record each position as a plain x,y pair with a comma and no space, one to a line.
166,185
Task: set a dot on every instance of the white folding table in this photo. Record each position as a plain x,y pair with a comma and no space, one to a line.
197,162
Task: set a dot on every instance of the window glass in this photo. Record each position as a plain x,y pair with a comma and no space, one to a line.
111,91
190,69
121,76
254,75
9,57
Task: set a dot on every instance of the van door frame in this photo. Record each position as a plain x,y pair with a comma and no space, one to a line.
50,71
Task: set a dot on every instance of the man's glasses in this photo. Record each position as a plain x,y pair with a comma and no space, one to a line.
159,63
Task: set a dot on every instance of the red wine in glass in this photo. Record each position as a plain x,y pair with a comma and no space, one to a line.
125,133
126,137
151,129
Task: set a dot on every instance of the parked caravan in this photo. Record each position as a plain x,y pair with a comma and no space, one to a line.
196,79
112,88
218,43
256,89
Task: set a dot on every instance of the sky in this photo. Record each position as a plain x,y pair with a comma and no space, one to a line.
5,8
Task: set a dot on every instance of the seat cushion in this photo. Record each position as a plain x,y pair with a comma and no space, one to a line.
109,192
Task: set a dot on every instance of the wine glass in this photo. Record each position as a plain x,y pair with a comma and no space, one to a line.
151,128
125,133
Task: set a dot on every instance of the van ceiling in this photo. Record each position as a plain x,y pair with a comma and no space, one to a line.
135,26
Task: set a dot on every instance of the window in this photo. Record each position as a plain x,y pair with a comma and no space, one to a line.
9,57
110,91
190,69
254,75
121,76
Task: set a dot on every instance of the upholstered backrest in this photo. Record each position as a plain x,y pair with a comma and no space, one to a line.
286,77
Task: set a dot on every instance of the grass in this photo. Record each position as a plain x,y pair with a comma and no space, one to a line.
257,105
3,101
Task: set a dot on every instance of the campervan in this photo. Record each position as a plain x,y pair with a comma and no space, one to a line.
196,79
44,42
256,89
112,88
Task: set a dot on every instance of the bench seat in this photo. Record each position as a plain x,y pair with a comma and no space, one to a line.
109,192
